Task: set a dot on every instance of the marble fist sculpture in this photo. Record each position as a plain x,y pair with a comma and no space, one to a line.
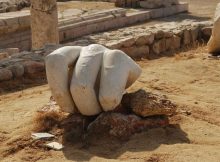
91,79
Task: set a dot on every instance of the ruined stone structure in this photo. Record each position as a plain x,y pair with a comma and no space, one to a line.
15,26
214,42
148,4
137,42
44,23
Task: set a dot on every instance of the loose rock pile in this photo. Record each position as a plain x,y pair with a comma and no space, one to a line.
13,5
133,119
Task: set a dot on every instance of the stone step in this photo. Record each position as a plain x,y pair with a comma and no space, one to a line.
74,27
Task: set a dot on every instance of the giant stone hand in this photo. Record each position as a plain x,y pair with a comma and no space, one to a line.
91,79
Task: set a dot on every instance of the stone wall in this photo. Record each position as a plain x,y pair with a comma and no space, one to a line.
137,42
14,24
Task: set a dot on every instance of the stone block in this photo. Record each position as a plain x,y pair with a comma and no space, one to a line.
159,34
137,51
159,46
17,70
24,21
127,42
3,55
194,34
206,32
144,39
32,68
168,11
169,43
5,75
186,37
114,45
182,7
136,17
176,42
168,34
12,51
156,13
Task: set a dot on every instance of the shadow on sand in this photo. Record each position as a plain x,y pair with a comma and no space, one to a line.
84,148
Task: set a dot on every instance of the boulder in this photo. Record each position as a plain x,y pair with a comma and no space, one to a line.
214,42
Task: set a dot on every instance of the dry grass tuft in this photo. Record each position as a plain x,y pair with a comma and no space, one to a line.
46,121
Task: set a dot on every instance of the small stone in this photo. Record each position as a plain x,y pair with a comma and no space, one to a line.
5,74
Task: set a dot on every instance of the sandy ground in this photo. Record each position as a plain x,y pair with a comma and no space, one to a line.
190,79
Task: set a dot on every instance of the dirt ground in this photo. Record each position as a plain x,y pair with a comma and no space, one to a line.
190,79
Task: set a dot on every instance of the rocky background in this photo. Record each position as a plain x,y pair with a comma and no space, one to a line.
15,5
